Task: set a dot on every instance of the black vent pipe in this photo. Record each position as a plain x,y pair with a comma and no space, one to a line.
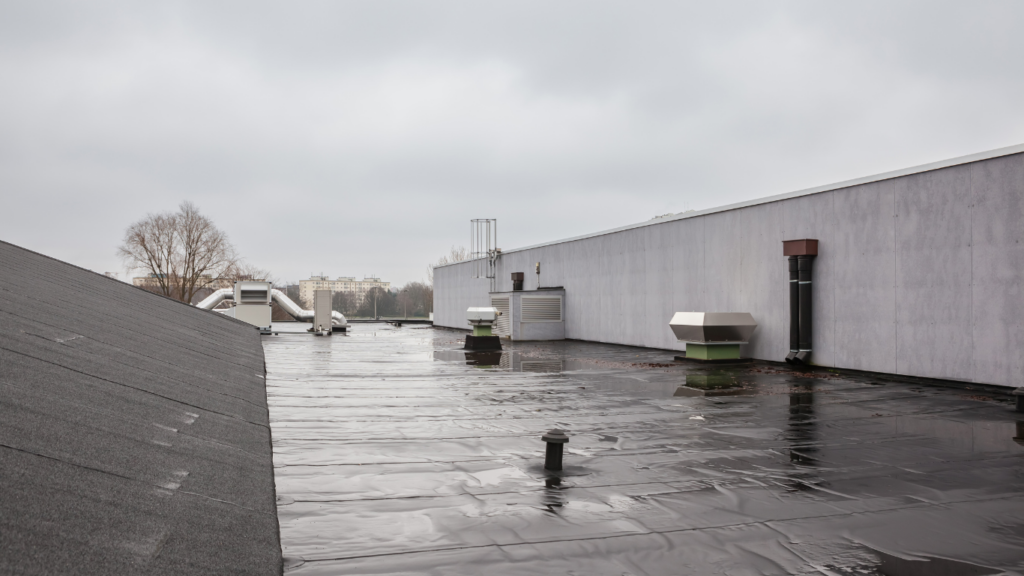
794,310
805,264
801,255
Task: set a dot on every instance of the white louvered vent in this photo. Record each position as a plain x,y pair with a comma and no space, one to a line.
542,309
501,325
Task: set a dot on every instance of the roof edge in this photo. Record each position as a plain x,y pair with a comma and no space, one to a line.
976,157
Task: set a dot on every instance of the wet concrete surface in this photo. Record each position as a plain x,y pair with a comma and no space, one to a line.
396,453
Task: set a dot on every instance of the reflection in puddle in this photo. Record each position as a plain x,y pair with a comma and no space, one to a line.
802,436
710,384
553,496
541,366
801,432
505,360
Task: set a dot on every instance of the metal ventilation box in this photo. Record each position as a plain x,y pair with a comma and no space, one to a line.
322,309
530,315
252,303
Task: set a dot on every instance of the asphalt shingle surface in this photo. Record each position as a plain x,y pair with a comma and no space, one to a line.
134,435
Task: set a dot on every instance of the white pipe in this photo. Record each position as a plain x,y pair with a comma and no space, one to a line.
286,304
293,310
218,296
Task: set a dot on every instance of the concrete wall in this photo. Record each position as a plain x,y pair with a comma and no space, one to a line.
918,273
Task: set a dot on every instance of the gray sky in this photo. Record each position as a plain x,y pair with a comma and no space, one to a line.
360,138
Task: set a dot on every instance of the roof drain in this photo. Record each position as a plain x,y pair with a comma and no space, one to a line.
801,255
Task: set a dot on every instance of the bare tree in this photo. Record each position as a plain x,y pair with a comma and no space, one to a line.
151,244
457,254
244,271
416,299
185,252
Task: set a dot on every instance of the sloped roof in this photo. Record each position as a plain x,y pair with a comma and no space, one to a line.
134,433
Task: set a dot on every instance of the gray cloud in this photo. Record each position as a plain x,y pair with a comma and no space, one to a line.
358,138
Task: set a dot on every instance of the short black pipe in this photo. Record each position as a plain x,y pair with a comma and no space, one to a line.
553,458
554,439
805,266
1019,394
794,310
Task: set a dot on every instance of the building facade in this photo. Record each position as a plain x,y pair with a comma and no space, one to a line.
919,272
348,284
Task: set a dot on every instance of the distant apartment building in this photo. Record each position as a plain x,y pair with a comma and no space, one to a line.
349,284
152,282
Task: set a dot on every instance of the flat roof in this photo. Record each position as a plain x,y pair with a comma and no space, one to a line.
1007,151
399,453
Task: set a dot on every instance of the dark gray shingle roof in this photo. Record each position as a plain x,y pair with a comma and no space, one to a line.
134,434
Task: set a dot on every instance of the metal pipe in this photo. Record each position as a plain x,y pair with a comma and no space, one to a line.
293,310
805,265
218,296
286,304
794,310
553,456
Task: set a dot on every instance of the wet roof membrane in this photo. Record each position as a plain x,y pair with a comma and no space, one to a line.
397,453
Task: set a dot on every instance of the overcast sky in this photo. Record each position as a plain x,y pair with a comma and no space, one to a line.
358,138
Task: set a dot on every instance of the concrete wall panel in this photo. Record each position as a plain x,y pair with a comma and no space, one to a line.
688,274
864,251
659,263
998,270
810,217
919,273
933,274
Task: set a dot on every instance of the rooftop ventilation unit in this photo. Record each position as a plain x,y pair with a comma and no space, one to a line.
713,335
502,327
322,312
530,315
482,318
252,303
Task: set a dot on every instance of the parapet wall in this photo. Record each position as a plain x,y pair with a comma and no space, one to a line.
919,272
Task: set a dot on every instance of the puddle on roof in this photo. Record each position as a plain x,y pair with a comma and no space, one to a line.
506,360
394,452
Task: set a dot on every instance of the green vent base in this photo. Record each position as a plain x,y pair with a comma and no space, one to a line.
712,351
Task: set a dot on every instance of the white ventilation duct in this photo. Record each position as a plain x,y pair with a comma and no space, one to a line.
286,304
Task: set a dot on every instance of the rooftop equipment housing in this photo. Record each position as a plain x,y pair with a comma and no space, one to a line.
252,303
482,318
257,297
713,335
322,311
530,314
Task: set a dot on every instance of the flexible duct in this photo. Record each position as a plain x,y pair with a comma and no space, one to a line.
286,304
293,310
218,296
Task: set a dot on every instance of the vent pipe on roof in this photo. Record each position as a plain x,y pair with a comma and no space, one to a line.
805,263
801,255
794,310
